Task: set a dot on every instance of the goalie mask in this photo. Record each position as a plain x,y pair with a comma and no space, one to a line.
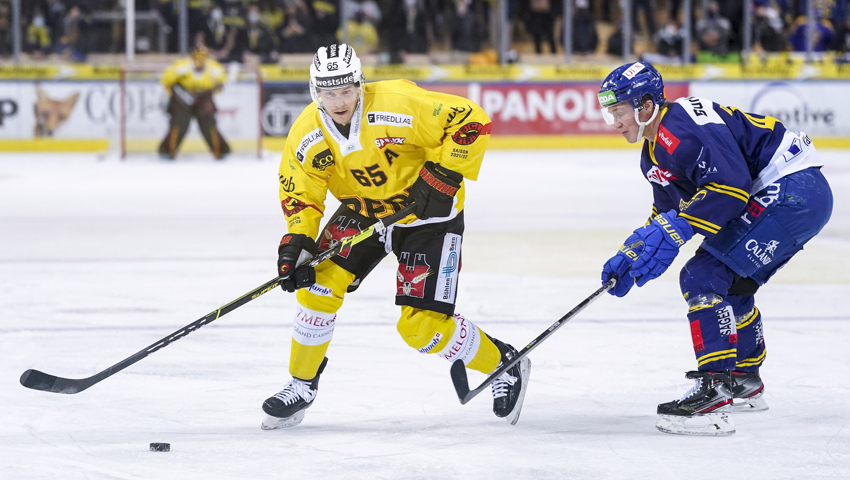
632,83
335,66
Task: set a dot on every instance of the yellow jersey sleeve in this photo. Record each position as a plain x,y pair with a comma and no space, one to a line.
181,73
457,129
304,175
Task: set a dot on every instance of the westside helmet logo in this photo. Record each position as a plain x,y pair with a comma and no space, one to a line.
339,81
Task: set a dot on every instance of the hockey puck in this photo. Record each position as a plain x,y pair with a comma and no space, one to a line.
160,447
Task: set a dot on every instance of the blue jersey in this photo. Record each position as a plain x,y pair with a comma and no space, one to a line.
706,160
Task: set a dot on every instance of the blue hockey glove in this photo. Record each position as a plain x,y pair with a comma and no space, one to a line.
619,266
662,238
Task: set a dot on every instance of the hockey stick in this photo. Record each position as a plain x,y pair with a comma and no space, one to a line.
458,370
38,380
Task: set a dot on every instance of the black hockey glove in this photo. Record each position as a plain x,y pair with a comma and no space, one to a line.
294,250
434,190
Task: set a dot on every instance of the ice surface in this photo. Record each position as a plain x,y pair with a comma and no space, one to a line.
100,258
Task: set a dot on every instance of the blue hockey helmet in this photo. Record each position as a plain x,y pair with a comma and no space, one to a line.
632,83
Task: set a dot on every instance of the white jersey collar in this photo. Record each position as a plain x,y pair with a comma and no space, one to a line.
352,143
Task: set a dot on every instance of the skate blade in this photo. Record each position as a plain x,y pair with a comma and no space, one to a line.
274,423
709,424
748,405
525,369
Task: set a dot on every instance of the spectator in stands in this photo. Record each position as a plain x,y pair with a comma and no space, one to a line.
220,38
647,7
713,31
234,19
467,31
54,17
842,40
407,31
198,12
325,22
5,30
297,22
255,40
165,9
668,43
38,41
369,8
272,17
615,42
541,25
362,34
74,43
585,37
821,40
767,28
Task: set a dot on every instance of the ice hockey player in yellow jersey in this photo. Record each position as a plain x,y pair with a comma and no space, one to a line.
377,147
191,83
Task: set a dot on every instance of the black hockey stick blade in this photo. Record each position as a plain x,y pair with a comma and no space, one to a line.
38,380
458,370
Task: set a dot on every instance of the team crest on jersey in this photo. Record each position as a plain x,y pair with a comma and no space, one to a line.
323,160
469,133
667,139
389,118
292,206
411,275
384,141
340,229
308,141
660,176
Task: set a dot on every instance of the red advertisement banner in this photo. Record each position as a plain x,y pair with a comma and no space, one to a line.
544,108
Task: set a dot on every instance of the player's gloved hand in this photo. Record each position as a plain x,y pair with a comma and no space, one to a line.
434,190
294,250
662,238
619,266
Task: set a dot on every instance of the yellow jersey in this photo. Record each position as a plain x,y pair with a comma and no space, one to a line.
394,130
183,73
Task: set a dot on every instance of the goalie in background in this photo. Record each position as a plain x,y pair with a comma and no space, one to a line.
191,83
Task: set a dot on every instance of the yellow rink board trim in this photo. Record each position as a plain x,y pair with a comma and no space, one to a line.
54,145
556,142
276,144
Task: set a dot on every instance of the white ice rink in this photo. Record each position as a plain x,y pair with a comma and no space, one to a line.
100,258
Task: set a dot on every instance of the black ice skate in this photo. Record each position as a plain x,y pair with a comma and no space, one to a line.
509,388
286,408
747,390
703,410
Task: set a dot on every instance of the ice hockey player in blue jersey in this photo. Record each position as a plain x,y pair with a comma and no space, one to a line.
753,190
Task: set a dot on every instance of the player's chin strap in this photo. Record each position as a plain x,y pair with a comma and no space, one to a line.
644,124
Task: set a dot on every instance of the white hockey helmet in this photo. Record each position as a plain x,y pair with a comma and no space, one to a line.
335,66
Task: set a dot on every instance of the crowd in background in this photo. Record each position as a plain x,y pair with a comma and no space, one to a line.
264,30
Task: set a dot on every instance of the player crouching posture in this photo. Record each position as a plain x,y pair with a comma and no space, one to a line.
754,190
376,147
191,84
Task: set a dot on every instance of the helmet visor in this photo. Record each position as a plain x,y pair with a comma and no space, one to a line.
617,112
